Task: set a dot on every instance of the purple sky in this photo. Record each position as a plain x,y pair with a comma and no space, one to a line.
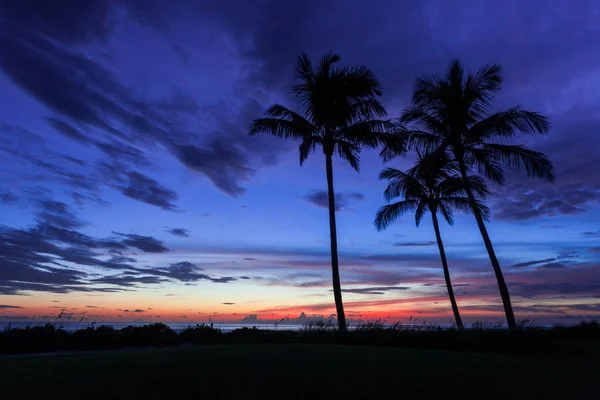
128,180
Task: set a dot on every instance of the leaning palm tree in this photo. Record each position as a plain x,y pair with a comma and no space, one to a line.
452,114
433,185
340,114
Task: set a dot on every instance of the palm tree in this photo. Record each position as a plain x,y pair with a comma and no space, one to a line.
452,114
433,185
340,112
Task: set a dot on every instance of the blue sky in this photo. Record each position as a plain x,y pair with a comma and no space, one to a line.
121,122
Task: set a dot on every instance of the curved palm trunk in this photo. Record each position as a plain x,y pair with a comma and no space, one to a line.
337,287
436,227
508,310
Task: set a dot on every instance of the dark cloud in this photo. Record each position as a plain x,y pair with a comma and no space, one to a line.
57,214
71,21
141,187
146,244
68,130
228,304
414,244
375,290
137,310
184,272
320,198
574,192
552,265
533,262
129,280
84,93
6,306
93,307
181,232
592,234
7,198
123,152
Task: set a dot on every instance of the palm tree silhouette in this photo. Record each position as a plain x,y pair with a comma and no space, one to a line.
340,112
452,114
433,185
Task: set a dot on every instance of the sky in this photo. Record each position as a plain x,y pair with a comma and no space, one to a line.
131,191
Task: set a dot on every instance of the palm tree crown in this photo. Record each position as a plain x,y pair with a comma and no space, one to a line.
340,111
431,185
454,114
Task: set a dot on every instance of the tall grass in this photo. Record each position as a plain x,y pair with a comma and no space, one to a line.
489,337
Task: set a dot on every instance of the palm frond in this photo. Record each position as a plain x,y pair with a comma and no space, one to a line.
506,124
485,163
426,142
364,109
394,144
326,62
520,159
454,186
391,212
423,119
278,127
401,184
426,92
349,152
304,69
446,211
420,212
481,88
367,133
463,204
361,82
308,145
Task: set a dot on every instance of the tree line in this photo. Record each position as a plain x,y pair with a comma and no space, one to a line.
449,124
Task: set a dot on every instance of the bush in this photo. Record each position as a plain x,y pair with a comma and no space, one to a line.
202,334
157,335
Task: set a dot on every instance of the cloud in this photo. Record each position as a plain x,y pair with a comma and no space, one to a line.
146,244
68,130
320,198
414,244
179,232
7,198
184,272
57,213
7,306
533,262
138,186
592,234
228,304
103,105
375,290
552,265
137,310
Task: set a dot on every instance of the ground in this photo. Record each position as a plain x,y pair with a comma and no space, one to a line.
297,371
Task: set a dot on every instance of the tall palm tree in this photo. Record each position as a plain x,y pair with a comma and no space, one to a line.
340,114
431,185
453,114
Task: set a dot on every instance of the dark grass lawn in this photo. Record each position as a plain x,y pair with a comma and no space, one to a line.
297,371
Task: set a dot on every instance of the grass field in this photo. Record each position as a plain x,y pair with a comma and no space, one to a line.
297,371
